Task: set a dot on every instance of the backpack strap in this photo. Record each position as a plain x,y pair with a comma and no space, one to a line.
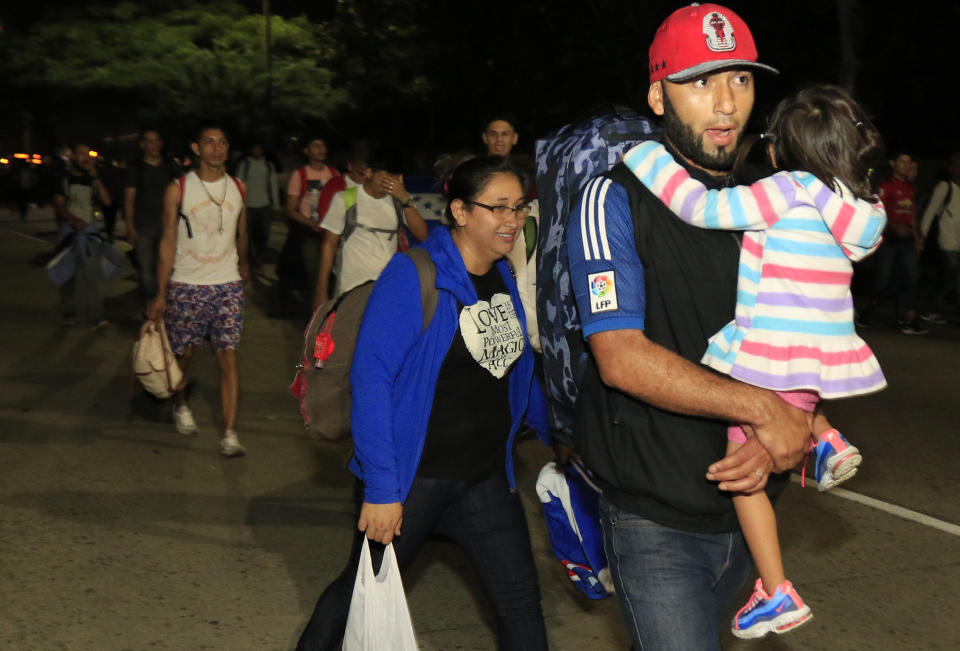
302,171
182,183
636,191
401,241
243,195
427,274
352,221
530,235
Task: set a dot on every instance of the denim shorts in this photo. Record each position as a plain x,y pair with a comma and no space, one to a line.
198,313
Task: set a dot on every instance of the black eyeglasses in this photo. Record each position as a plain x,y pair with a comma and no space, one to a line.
501,211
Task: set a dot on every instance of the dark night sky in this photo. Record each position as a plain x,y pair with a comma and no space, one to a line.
551,60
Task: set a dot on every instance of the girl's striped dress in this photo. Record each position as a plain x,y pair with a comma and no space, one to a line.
794,327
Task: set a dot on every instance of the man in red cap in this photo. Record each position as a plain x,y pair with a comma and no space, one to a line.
651,421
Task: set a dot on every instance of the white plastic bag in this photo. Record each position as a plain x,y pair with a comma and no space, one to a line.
379,618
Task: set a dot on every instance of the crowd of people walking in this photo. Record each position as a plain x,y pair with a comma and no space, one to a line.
689,329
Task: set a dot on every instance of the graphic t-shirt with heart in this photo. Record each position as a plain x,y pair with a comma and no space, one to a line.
470,419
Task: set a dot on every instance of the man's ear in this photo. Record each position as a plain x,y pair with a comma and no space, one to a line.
655,97
195,148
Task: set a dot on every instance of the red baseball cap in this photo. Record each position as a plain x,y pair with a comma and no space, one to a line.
699,39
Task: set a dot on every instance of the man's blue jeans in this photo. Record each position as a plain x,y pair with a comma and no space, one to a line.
675,588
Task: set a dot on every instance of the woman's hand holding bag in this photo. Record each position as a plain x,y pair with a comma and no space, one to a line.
379,618
381,522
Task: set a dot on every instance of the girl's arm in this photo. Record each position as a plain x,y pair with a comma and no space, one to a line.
855,224
743,208
392,322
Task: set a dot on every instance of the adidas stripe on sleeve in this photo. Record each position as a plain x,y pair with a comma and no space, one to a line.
605,270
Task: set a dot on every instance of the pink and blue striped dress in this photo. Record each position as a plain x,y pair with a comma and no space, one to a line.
793,328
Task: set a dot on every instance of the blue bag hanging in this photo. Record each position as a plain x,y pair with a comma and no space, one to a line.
570,507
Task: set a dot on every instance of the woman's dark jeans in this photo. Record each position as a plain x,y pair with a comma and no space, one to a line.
486,519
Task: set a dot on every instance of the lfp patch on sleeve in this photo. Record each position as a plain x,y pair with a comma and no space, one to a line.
603,292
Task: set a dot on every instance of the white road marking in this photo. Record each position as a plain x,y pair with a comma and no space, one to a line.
29,237
893,509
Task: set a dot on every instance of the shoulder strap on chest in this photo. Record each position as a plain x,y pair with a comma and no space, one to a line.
352,219
350,197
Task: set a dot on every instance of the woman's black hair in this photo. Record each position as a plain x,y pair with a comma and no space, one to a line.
470,177
823,130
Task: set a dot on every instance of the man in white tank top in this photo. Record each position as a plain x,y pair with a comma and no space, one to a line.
201,273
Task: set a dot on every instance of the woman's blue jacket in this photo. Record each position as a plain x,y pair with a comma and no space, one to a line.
396,365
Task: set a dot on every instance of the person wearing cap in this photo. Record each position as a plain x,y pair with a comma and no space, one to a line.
651,421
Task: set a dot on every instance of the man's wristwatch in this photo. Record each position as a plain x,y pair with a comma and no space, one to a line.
406,203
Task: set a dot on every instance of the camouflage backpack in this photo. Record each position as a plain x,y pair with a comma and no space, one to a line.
566,160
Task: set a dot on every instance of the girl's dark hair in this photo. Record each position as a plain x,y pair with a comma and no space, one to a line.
469,179
823,130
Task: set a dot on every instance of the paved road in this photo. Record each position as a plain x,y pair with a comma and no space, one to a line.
118,533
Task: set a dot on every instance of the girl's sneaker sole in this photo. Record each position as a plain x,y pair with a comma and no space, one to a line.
840,469
772,626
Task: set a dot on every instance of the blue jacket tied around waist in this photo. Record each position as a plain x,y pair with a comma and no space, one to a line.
395,370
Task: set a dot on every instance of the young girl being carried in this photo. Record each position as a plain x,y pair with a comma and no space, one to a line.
793,331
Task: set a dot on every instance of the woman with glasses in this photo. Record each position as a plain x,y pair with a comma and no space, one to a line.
436,410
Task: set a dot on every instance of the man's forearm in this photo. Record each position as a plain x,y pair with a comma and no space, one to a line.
415,222
129,203
328,251
165,258
74,221
242,243
102,192
299,217
631,363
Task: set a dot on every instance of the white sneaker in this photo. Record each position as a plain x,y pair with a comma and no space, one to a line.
183,420
230,445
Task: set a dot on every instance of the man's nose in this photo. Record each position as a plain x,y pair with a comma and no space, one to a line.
724,101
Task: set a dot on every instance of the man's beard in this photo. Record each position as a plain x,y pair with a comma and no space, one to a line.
689,146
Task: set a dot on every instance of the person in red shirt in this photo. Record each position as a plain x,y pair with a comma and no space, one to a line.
898,269
300,257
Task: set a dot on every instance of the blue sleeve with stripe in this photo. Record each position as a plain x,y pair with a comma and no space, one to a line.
605,269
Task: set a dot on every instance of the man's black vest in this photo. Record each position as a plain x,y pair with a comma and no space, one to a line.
652,462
